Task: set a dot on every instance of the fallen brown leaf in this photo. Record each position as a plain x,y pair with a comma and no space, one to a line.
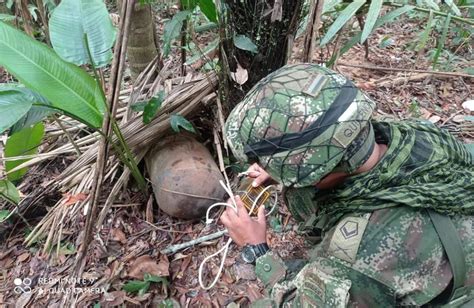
23,257
71,199
146,264
118,235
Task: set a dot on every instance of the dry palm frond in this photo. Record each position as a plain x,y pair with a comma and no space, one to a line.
184,99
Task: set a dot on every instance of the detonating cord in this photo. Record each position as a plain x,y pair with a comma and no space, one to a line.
225,249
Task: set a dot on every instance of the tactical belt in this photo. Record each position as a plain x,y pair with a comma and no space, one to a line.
452,245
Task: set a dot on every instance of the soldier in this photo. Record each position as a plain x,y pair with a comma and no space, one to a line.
392,201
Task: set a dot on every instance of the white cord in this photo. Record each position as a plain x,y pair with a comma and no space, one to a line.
225,248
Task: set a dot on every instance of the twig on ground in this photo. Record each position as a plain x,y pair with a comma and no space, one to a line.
387,81
175,248
380,68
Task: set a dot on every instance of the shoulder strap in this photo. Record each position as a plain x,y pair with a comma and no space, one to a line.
452,245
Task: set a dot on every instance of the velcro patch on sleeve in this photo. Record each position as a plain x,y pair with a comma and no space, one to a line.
347,236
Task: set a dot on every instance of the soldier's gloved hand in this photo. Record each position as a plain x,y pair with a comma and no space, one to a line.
259,175
242,228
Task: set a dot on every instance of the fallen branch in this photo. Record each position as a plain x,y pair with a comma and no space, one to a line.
389,81
175,248
381,68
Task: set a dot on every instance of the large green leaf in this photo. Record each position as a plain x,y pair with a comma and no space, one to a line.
9,192
69,24
64,85
24,142
13,106
208,8
341,20
372,15
14,99
35,115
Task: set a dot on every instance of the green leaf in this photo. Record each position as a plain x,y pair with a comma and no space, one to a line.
432,5
178,121
3,213
34,115
245,43
152,107
152,278
189,4
135,286
208,8
69,24
442,40
13,101
63,84
371,18
9,192
67,249
341,20
453,7
13,106
24,142
392,15
172,30
426,33
329,5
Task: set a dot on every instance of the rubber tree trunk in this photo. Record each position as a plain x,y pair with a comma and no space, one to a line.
142,46
271,25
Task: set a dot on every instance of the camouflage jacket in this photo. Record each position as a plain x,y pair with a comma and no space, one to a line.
383,250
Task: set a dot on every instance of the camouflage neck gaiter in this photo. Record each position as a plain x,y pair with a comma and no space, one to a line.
424,167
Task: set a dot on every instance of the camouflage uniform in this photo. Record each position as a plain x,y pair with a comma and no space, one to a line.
384,251
381,245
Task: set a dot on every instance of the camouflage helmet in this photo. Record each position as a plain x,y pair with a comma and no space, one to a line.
300,123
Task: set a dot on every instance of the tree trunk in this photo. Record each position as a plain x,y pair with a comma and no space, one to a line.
271,25
142,47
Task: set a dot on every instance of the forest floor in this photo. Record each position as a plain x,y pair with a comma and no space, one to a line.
131,245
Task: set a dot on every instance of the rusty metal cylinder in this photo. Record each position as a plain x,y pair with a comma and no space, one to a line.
184,176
